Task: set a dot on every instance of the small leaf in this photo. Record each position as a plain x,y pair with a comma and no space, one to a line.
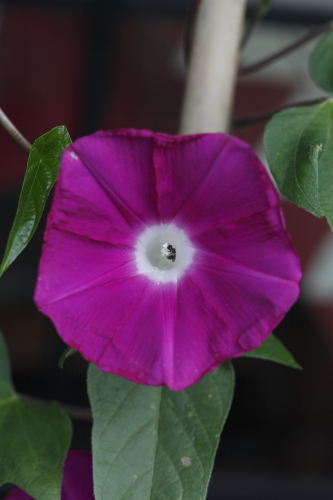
67,352
41,174
299,149
263,7
34,440
154,443
321,63
272,349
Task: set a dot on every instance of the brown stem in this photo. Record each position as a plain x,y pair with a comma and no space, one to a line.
76,412
251,68
13,132
251,120
259,14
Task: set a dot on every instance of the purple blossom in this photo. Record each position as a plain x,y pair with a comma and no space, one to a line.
165,255
77,481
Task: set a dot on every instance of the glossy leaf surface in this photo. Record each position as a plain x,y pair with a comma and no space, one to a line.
299,149
41,174
272,349
321,63
154,443
34,440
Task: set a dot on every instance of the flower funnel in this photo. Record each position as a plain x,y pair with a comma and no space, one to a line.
165,255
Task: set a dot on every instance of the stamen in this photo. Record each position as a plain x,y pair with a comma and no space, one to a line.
168,251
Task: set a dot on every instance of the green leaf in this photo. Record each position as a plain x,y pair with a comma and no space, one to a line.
272,349
154,443
34,440
321,63
299,149
41,174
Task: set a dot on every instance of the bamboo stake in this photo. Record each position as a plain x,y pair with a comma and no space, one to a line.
13,132
213,67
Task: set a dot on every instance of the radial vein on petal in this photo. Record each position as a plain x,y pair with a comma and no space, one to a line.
113,195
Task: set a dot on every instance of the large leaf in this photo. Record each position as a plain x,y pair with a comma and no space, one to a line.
321,63
153,443
41,174
34,440
272,349
299,149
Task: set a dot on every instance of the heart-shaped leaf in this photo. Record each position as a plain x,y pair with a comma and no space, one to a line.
154,443
299,149
34,440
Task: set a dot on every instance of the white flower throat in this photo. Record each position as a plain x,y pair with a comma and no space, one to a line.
163,253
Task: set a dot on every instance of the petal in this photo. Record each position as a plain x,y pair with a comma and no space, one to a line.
236,186
244,297
258,242
122,164
18,494
202,337
77,481
71,264
183,162
119,326
142,350
223,311
82,206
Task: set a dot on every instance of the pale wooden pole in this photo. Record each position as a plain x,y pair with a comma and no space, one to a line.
213,67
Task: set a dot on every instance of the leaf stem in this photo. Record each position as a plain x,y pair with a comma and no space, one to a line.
251,120
259,14
13,132
251,68
76,412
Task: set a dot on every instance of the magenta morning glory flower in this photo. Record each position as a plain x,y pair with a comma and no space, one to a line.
77,481
164,255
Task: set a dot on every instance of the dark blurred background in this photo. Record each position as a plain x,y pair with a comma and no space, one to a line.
102,64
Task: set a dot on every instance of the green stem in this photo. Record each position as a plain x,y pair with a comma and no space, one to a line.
251,68
13,132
